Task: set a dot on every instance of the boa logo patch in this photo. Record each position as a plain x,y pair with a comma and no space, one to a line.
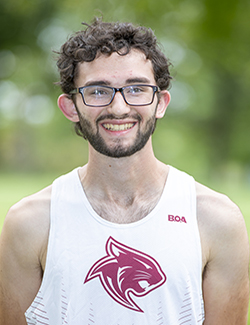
125,272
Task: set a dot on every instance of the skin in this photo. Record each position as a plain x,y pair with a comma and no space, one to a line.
126,185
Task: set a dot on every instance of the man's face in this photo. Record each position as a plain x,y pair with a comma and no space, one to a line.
118,130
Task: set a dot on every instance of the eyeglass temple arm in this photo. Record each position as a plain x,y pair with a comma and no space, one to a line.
74,91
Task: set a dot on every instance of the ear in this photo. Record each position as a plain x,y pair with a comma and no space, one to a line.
163,103
67,106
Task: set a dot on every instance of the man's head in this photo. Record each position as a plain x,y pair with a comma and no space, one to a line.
116,55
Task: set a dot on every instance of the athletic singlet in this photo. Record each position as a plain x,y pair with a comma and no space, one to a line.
143,273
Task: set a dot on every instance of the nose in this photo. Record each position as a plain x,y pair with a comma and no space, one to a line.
118,106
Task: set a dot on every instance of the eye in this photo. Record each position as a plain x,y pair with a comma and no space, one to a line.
135,89
147,266
99,92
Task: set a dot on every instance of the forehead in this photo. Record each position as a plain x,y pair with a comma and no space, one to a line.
116,70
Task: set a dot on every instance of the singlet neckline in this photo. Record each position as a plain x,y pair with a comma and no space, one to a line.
107,223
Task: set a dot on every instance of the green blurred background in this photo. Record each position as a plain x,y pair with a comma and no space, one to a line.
206,129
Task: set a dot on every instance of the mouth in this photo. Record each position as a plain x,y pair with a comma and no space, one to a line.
118,127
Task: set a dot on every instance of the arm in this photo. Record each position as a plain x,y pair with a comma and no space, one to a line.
226,258
23,244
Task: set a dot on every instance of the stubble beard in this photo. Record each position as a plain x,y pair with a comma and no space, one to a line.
117,150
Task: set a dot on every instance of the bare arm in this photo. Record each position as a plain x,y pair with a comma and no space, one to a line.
226,258
22,252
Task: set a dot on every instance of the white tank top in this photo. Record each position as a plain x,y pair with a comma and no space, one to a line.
147,272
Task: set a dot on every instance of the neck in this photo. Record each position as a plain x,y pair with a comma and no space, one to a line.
114,173
123,182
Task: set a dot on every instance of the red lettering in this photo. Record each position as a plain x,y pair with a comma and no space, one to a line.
170,217
173,218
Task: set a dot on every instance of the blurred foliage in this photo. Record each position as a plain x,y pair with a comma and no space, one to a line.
206,128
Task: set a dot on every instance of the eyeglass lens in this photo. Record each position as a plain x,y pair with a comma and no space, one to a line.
103,95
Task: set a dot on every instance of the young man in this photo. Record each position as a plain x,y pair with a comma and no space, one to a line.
125,239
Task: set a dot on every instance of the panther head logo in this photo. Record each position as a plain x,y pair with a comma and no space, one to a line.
124,272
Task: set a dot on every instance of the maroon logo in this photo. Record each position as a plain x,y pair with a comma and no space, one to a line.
124,272
176,218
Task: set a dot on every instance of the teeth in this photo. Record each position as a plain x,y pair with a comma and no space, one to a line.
118,127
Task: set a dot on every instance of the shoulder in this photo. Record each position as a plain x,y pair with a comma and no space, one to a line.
217,211
216,207
26,225
221,225
225,254
30,211
23,245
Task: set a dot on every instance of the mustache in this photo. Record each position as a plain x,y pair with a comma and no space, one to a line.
114,117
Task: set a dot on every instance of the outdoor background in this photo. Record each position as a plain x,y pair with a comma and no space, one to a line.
206,130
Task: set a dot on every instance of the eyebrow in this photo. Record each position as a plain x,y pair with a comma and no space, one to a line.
128,81
97,83
138,80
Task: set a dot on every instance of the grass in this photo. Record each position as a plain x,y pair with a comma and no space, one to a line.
14,187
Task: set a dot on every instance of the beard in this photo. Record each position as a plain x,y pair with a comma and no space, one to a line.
117,150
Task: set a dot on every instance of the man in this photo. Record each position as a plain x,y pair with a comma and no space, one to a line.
125,239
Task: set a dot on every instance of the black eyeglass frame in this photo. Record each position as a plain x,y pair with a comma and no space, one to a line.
115,90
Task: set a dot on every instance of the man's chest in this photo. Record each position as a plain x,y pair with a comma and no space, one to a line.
124,213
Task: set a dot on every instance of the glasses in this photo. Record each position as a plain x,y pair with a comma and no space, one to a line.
134,95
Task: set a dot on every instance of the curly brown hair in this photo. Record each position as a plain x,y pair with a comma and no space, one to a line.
105,38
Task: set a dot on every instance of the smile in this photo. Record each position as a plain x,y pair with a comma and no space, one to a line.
118,127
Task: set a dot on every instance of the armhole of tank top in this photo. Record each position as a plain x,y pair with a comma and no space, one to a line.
199,247
194,209
56,186
42,287
193,198
51,231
